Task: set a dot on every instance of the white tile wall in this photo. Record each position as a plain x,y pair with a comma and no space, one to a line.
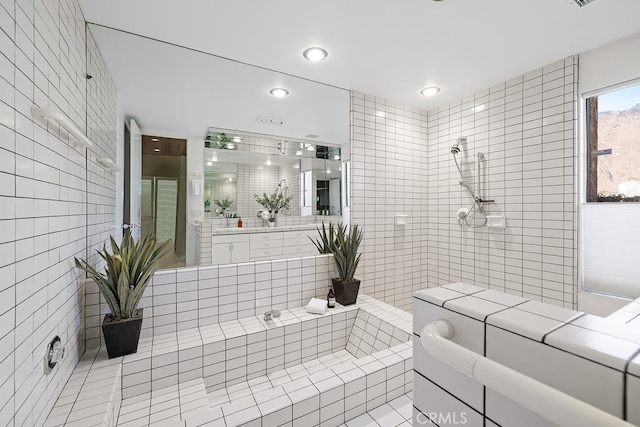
595,384
402,164
178,300
254,179
370,334
633,394
442,408
54,201
292,177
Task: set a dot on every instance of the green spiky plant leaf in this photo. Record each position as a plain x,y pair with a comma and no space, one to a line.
128,269
327,240
343,242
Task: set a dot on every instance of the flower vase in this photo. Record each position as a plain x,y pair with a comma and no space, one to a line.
273,219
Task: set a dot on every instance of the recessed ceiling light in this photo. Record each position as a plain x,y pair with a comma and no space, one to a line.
237,139
214,159
296,166
279,92
268,162
154,139
311,148
230,179
157,150
231,146
315,54
328,170
209,163
336,157
430,91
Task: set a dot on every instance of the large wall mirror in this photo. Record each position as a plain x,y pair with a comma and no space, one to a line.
175,92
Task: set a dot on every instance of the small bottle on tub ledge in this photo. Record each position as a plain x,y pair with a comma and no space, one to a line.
331,299
239,222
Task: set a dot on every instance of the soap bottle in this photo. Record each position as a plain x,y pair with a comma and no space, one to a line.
239,222
331,299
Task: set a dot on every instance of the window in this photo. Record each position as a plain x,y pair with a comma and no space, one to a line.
609,243
613,138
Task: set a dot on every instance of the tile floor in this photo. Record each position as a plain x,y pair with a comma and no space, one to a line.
397,413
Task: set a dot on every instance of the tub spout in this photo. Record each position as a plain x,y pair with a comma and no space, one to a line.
271,314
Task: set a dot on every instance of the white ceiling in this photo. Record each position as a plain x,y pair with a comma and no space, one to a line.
389,48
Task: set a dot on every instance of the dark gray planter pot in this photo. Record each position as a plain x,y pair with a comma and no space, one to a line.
346,291
121,336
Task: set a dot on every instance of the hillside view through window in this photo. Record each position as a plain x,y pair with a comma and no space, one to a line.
613,137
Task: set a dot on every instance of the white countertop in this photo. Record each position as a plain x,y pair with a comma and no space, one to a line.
250,230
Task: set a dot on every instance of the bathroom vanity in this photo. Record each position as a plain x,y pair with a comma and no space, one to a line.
237,245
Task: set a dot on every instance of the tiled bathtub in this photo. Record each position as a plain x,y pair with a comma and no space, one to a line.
300,368
591,358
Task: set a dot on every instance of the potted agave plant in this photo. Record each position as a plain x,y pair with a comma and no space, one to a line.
127,272
343,242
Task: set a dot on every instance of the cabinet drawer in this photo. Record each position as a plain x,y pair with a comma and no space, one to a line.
301,241
299,251
257,254
302,234
262,237
230,238
266,245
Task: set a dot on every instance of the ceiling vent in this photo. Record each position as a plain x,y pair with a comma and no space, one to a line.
312,136
583,2
270,120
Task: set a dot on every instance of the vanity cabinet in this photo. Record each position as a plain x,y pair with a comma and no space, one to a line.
261,246
230,249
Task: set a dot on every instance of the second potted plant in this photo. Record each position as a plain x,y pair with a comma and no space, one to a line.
343,242
223,205
273,203
127,272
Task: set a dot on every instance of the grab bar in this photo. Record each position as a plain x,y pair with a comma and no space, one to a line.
546,401
64,121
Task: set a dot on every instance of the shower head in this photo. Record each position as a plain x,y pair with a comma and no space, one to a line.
463,183
455,148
